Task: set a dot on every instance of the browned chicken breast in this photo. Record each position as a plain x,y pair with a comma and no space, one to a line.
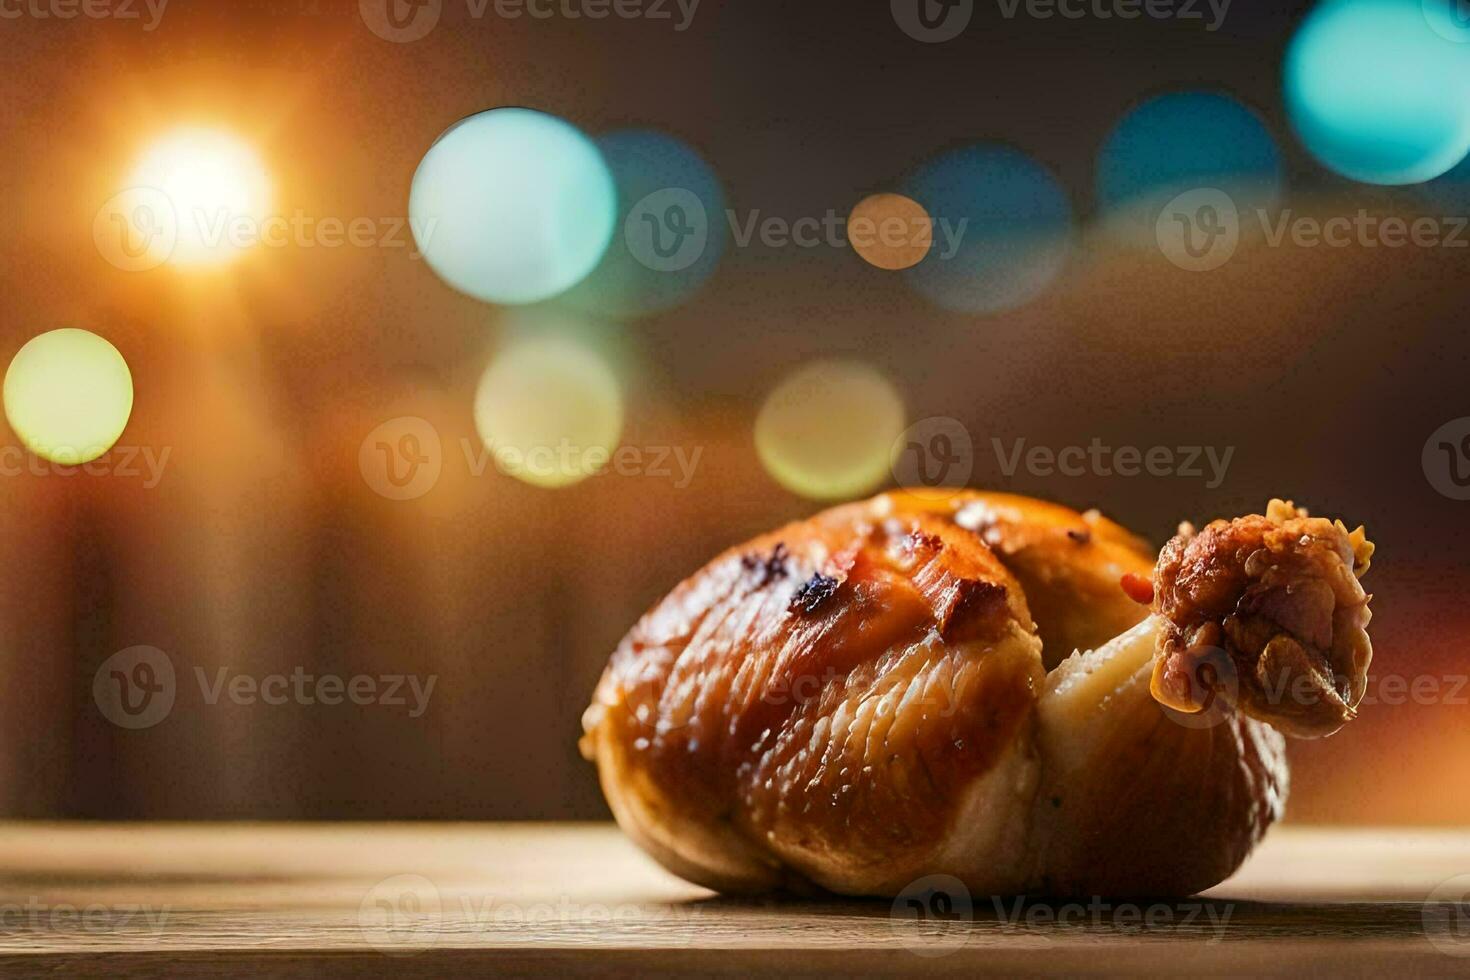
977,687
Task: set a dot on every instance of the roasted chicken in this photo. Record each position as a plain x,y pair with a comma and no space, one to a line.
984,686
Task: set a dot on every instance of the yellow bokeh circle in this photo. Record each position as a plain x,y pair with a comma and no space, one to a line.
826,431
68,396
550,411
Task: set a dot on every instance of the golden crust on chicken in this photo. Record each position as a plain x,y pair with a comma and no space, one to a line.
864,698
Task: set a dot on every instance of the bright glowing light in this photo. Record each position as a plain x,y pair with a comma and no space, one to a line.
1378,92
513,206
826,431
198,197
68,396
550,412
890,231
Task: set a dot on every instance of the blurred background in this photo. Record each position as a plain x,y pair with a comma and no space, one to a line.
324,479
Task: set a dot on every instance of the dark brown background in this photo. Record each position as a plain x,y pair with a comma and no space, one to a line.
263,549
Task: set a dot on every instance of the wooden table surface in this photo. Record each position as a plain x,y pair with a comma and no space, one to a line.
439,900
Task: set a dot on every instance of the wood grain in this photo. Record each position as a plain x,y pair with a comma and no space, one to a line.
437,900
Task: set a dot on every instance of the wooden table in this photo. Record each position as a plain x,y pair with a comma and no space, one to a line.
449,900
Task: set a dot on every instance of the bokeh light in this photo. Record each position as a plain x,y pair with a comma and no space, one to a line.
68,396
513,206
1449,194
890,231
1181,142
199,198
826,431
550,411
1377,94
671,232
1002,229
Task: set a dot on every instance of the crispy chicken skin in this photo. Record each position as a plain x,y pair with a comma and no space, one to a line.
864,698
1270,607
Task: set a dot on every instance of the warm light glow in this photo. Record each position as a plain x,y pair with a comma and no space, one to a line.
202,195
827,431
550,412
68,396
890,231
